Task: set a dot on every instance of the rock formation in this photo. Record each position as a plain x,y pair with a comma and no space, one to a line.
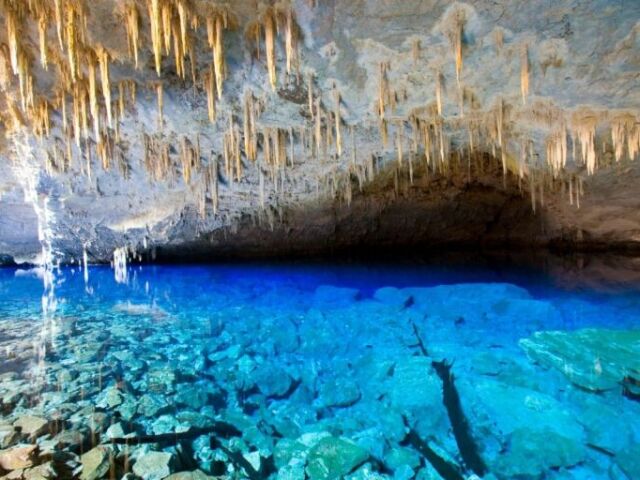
296,126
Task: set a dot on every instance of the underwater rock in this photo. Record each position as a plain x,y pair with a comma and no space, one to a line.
288,451
413,384
393,296
20,456
502,417
31,426
109,398
272,381
531,453
398,457
194,475
327,296
191,395
291,471
153,465
338,392
115,431
593,359
8,436
629,461
332,458
41,472
95,463
150,404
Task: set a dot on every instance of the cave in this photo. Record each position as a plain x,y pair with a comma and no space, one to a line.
319,239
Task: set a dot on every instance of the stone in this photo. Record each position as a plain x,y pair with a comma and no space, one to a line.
115,431
19,456
95,463
191,395
327,296
272,381
338,392
31,426
511,424
288,450
531,453
399,456
629,461
151,404
41,472
393,296
413,383
593,359
332,458
153,465
193,475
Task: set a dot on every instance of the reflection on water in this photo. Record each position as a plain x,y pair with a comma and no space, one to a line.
323,371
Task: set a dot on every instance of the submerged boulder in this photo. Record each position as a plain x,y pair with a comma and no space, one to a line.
327,296
523,432
153,465
95,463
20,456
593,359
333,457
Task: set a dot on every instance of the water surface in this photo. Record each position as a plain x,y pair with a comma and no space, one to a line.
321,371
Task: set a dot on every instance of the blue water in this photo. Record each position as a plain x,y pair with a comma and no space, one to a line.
297,356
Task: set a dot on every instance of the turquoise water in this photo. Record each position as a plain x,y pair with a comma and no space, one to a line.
318,371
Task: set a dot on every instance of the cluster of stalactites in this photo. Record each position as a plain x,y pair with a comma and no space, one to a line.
271,21
82,70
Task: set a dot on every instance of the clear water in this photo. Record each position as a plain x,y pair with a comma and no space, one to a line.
326,371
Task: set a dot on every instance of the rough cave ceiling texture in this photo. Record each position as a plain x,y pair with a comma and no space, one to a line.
296,126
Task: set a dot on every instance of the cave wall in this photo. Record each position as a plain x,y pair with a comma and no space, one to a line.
583,65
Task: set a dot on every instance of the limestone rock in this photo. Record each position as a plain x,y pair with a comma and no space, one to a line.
95,463
19,456
31,426
153,465
332,458
594,359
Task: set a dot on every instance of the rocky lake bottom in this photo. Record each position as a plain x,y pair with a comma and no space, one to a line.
318,373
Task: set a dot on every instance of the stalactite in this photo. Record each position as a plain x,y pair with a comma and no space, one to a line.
524,73
71,36
132,25
584,129
156,33
270,46
178,53
415,50
439,93
160,99
384,132
93,92
557,151
121,99
11,19
219,56
310,95
103,60
183,15
186,159
625,134
57,9
210,89
383,90
399,151
42,36
318,128
456,35
338,121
